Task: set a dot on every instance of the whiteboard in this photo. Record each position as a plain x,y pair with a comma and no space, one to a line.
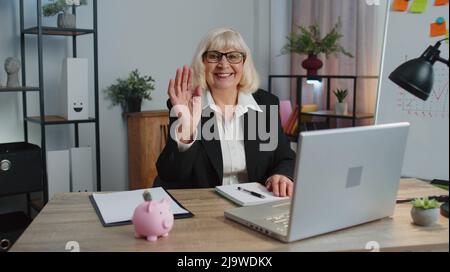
407,36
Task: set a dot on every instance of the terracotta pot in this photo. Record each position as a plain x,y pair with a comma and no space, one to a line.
312,64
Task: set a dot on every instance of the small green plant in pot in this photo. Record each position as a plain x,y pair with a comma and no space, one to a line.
424,212
61,8
130,92
341,107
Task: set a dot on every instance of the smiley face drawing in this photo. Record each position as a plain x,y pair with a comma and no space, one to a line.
78,107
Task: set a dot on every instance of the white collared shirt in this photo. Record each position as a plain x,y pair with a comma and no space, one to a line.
231,133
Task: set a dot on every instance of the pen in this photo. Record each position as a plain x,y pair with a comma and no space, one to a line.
251,192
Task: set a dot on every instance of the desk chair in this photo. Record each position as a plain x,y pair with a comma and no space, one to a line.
157,182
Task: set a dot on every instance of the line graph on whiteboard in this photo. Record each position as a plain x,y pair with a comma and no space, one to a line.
437,104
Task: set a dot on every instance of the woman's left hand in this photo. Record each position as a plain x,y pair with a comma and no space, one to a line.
280,185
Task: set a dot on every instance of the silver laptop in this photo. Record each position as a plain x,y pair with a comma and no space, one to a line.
343,177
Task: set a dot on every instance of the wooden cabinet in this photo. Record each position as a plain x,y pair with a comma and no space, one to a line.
147,136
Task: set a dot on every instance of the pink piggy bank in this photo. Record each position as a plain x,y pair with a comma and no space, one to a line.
153,219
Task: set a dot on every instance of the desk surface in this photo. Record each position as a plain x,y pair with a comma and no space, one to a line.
70,217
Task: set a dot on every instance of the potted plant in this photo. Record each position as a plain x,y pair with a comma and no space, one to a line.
61,8
309,41
424,212
341,107
130,92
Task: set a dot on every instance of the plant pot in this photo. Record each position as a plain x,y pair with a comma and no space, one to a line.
67,20
341,108
134,104
422,217
312,64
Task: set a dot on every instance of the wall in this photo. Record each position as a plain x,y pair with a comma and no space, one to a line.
9,42
155,37
281,24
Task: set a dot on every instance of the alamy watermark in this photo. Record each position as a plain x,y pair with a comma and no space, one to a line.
373,246
262,126
73,246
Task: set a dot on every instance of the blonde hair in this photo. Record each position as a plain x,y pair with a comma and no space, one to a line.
225,38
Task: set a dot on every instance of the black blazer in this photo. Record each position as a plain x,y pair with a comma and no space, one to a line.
201,165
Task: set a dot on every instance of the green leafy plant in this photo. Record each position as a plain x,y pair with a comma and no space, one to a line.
309,41
425,203
134,87
341,94
58,6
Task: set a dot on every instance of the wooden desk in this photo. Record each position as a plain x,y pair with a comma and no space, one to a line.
70,217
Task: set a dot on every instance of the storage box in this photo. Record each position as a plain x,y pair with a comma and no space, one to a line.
20,168
58,172
81,169
12,225
74,87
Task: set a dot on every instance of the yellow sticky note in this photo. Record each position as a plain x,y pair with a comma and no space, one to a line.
419,6
446,35
438,29
400,5
440,2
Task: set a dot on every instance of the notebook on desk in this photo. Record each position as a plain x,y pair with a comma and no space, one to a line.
116,209
247,194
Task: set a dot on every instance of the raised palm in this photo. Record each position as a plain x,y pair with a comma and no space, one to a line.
186,101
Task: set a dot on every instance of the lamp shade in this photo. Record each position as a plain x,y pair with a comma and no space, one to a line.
415,76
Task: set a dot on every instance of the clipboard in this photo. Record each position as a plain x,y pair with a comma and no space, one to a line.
184,215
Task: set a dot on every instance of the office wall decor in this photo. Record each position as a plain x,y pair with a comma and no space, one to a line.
74,87
12,67
61,8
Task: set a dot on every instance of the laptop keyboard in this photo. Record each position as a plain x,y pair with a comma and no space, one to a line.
281,220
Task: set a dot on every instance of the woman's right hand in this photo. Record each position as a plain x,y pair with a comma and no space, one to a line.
187,103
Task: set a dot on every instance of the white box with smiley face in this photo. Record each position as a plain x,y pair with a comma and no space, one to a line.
74,88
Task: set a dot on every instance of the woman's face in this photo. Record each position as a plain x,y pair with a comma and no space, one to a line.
220,73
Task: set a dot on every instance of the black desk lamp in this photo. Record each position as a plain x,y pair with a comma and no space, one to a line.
417,77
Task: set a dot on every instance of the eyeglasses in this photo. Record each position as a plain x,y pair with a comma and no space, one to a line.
232,57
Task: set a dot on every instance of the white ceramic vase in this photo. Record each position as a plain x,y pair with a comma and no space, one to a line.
341,108
423,217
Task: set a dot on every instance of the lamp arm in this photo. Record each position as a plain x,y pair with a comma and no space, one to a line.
443,60
437,58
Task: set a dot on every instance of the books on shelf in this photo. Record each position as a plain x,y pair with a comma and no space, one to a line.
285,111
289,129
292,125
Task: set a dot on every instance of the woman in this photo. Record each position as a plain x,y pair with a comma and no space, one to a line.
221,89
